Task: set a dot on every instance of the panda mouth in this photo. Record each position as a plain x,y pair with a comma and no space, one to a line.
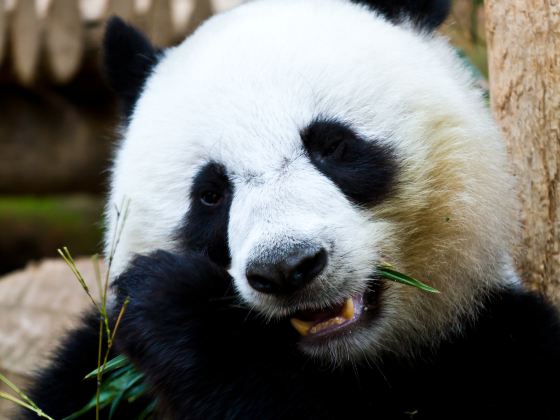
328,320
337,318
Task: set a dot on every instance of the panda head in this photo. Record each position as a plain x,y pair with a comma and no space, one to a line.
301,143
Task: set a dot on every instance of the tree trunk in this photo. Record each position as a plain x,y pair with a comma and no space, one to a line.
524,66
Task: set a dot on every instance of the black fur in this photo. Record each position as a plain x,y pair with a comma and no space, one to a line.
129,58
364,170
426,14
207,357
205,228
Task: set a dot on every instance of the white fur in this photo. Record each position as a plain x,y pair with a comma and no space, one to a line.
239,91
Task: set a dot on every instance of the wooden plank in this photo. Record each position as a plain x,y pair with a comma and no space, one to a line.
203,9
3,30
158,22
25,40
121,8
64,39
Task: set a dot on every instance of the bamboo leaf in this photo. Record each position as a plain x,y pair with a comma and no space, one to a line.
113,364
30,407
390,274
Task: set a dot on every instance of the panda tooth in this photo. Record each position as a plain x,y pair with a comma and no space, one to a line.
348,309
325,324
301,327
309,327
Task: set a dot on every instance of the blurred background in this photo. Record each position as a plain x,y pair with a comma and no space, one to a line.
58,118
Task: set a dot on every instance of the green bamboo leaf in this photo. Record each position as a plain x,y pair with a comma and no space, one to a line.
115,404
395,276
104,400
113,364
137,392
148,411
24,404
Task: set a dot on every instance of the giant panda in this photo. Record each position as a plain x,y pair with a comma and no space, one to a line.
272,161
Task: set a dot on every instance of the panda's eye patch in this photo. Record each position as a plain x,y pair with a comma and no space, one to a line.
364,169
211,186
335,148
211,198
205,225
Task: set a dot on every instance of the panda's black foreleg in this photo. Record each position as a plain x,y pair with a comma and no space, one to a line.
204,355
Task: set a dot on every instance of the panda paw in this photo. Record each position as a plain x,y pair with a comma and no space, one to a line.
188,333
173,296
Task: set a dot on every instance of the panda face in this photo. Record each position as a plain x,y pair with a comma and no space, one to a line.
298,236
299,144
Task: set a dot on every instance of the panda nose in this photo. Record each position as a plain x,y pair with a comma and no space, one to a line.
289,274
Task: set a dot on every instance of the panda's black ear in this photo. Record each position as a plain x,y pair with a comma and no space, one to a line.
129,58
425,14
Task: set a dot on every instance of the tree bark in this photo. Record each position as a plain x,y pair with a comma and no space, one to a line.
524,66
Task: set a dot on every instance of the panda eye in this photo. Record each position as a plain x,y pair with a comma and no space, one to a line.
335,148
211,198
